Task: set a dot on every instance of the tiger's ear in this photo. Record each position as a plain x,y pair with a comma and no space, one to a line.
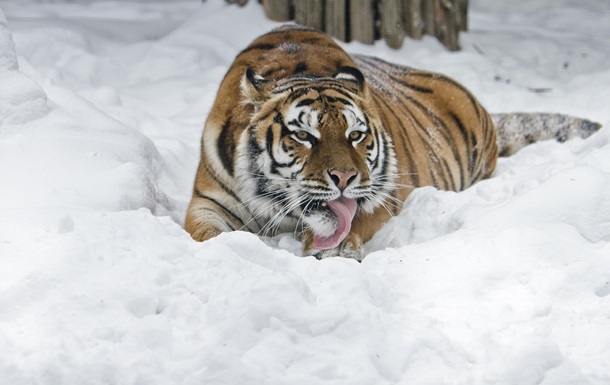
352,74
255,88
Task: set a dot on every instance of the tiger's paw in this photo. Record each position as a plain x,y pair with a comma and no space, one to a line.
351,247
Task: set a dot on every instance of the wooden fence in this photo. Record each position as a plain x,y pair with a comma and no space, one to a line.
370,20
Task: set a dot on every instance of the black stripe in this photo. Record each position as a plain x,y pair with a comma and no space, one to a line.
221,206
343,101
301,67
375,163
480,155
449,176
476,177
335,88
212,174
261,46
254,150
394,78
452,82
474,154
305,102
441,129
367,59
400,129
386,151
420,130
216,212
465,138
269,142
226,147
300,85
270,145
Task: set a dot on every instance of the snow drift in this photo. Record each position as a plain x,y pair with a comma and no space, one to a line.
101,110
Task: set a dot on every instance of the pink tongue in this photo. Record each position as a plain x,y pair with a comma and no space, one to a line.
344,209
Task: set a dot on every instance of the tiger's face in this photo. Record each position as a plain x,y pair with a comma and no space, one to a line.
313,155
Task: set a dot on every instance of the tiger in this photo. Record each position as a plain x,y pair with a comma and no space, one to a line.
303,138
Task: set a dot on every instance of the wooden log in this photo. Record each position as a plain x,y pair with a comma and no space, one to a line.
367,20
428,7
278,10
447,29
335,23
413,18
309,13
362,21
392,28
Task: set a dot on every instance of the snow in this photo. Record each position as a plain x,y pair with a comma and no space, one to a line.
101,110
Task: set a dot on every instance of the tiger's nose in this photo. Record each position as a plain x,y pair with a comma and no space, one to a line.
342,178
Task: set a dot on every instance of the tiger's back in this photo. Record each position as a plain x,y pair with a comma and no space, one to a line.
438,128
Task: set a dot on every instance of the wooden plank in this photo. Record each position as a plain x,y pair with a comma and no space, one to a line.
278,10
362,21
392,28
335,23
309,13
413,18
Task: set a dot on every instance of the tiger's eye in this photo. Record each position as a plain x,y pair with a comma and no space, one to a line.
302,135
355,135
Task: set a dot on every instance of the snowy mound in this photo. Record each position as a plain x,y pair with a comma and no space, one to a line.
101,110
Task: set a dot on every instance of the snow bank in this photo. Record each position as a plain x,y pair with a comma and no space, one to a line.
101,110
8,59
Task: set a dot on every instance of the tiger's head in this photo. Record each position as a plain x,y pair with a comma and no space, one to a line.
314,155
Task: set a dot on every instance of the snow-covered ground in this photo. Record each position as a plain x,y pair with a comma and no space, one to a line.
101,110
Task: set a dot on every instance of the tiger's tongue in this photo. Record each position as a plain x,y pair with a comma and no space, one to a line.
345,209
